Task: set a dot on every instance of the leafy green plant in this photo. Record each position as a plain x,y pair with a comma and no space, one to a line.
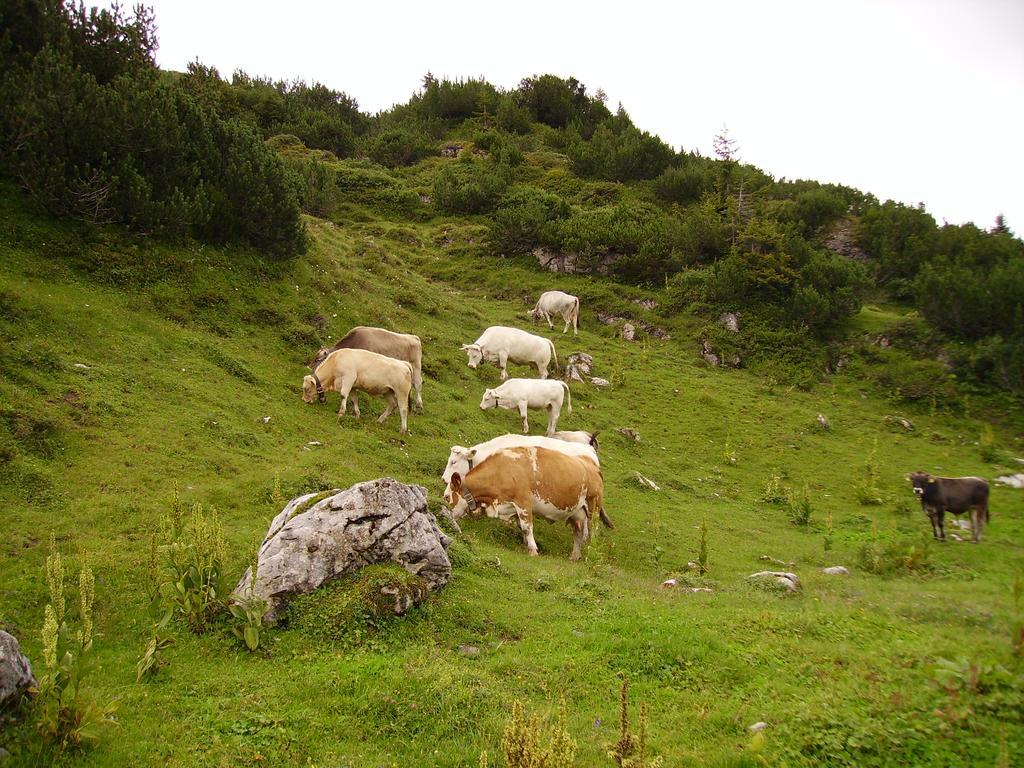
798,506
774,492
193,584
522,746
248,610
987,447
66,715
867,490
630,751
702,548
895,557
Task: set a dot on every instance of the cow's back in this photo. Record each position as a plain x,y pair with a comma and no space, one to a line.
399,346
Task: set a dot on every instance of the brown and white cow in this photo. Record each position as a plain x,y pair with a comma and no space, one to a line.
939,495
518,483
400,346
357,370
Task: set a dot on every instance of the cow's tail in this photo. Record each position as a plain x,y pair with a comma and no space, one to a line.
568,394
604,517
576,314
554,355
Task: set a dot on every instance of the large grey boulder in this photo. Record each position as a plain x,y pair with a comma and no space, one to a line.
319,537
15,670
578,367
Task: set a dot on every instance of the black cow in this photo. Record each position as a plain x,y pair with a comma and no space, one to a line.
939,495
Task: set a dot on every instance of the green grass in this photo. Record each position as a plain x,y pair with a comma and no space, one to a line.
187,356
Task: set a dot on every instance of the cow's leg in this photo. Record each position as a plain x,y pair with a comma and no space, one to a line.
552,418
939,515
578,537
392,402
522,413
344,389
976,524
935,528
575,323
417,384
566,318
355,403
542,370
403,413
548,318
524,511
503,362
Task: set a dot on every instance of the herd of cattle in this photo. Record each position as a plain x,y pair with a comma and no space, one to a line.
514,477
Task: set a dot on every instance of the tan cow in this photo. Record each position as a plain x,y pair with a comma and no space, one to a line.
518,483
356,370
401,346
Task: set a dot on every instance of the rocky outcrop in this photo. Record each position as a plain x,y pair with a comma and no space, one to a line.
578,367
15,670
319,537
570,263
842,239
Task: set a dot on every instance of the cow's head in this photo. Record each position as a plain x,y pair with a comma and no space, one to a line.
319,357
460,460
919,481
475,353
309,389
490,400
455,496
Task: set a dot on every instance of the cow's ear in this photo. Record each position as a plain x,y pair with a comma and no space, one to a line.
464,347
455,482
931,480
472,453
906,477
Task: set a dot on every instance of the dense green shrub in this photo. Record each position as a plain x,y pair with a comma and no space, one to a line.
521,217
473,187
108,144
685,184
399,146
623,155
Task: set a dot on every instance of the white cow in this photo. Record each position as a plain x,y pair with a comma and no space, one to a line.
349,371
558,303
462,459
521,394
499,344
578,436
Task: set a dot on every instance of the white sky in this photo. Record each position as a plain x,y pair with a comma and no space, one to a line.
913,100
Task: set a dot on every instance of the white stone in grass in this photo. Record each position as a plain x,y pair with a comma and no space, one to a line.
836,570
15,670
266,419
646,482
82,366
788,581
1013,481
669,583
378,521
600,383
757,727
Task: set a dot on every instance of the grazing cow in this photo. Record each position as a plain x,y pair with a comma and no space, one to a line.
521,394
517,483
558,303
578,436
499,344
462,459
401,346
939,495
356,370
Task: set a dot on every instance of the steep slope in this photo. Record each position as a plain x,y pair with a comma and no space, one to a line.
129,370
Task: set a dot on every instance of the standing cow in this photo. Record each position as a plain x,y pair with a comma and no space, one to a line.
521,394
939,495
401,346
558,303
353,370
518,483
500,344
462,459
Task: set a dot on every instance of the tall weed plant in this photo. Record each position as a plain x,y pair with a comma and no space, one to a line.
67,716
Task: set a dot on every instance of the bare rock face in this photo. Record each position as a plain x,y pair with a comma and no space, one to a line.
320,537
570,263
578,367
15,670
730,321
628,332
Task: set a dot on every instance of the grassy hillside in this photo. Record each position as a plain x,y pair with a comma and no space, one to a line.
129,370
